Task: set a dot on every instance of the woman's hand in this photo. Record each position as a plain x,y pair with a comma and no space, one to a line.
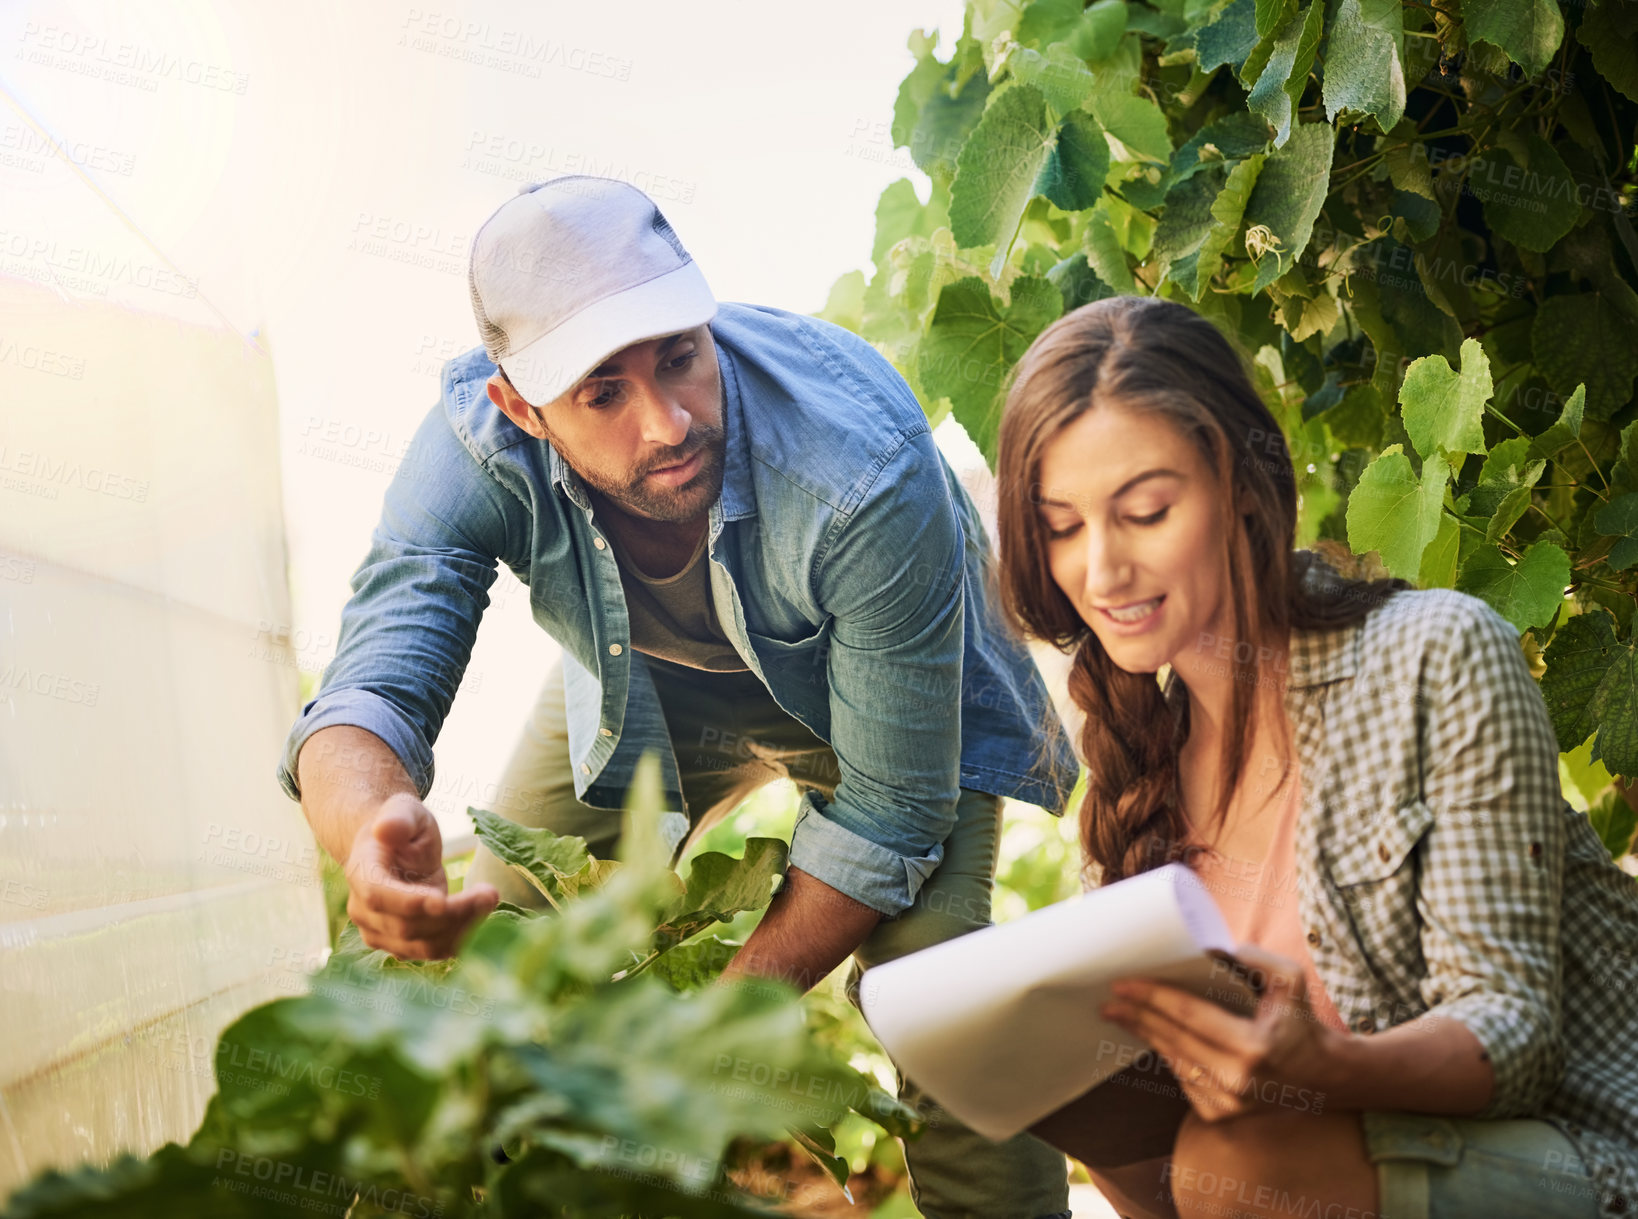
1231,1064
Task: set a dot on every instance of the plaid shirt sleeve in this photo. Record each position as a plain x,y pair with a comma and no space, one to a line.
1493,862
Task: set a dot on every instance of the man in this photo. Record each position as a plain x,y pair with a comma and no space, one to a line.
736,524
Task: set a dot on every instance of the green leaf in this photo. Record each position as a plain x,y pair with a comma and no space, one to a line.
1272,14
1061,76
1044,22
1615,710
999,165
1566,429
1514,504
917,88
1582,651
1614,821
1136,122
558,866
695,964
1230,37
1015,154
1280,85
1530,205
1420,215
1610,31
1580,775
1619,519
1444,409
1227,210
1395,513
1527,593
1441,558
1072,178
845,304
1105,252
972,343
822,1149
1365,61
1232,137
1187,219
1098,32
1078,282
721,887
1579,339
939,103
1529,31
900,214
1290,192
1357,421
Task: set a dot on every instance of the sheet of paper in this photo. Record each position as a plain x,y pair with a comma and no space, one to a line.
1001,1026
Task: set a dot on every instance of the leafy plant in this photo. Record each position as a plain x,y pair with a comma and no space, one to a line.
1415,216
575,1063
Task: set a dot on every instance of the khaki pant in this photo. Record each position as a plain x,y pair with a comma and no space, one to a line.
730,738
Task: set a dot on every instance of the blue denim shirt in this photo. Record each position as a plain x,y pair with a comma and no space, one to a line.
848,566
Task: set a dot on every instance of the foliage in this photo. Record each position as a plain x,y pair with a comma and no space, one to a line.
1416,217
576,1063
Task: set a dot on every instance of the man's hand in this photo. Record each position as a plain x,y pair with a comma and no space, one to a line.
400,896
808,931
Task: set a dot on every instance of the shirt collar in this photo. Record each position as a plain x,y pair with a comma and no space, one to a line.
1316,657
738,498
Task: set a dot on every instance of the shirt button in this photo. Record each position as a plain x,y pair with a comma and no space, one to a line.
615,649
584,769
1382,853
1365,1025
1313,939
599,543
606,731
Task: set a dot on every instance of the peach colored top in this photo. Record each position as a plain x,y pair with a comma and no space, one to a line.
1258,899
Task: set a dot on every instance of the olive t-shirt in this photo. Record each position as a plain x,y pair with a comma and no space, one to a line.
675,618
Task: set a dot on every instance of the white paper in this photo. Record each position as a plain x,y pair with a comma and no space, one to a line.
1001,1026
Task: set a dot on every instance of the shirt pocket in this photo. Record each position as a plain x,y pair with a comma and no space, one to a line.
1381,848
1376,875
803,659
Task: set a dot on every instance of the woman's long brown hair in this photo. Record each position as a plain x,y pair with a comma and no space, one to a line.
1154,356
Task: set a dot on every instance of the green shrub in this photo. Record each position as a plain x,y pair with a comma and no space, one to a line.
575,1063
1416,218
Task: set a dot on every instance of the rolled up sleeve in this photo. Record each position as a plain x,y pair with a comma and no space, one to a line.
1493,863
408,629
891,578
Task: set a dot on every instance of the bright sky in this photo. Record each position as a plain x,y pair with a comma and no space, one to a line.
319,169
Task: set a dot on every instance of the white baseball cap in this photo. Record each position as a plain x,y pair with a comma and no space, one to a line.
567,272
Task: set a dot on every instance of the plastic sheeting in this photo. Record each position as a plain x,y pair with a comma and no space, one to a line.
154,880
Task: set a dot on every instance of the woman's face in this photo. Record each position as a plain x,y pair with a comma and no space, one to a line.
1135,535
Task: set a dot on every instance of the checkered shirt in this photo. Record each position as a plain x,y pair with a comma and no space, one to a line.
1439,866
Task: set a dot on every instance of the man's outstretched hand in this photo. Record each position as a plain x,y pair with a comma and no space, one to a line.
399,895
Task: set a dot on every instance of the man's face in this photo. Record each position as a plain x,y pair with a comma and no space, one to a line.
643,428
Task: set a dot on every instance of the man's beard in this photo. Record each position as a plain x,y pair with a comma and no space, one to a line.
638,496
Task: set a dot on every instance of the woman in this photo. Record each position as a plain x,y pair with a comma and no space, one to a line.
1364,776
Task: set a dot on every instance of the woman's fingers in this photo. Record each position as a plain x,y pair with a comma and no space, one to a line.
1214,1024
